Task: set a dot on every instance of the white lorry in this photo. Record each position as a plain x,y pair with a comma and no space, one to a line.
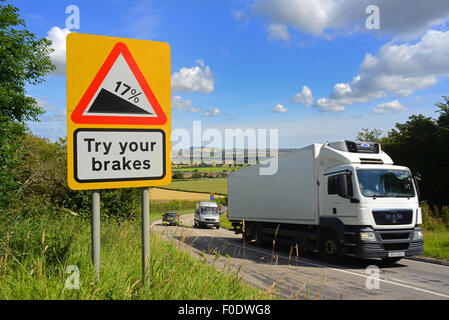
340,198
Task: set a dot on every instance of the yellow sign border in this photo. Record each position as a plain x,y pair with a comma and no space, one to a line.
85,56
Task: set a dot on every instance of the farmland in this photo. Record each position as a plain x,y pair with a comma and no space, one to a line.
217,186
207,169
157,194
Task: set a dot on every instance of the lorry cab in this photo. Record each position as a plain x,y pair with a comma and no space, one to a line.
206,215
376,201
352,192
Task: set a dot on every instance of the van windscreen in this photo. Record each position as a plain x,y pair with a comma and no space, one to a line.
209,210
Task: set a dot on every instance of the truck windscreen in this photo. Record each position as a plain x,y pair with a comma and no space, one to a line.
385,183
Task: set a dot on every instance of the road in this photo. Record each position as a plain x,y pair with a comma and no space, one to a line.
283,273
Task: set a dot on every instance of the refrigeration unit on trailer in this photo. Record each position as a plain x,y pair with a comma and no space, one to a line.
340,198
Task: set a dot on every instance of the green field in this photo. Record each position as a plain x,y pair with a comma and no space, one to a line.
217,186
207,169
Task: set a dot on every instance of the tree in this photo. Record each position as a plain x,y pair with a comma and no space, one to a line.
23,60
368,135
178,175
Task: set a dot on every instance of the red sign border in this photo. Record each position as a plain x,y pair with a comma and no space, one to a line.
77,114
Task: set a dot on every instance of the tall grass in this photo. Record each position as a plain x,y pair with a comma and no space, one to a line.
35,252
436,231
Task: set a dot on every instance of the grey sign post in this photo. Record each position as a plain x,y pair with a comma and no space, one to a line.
96,232
146,236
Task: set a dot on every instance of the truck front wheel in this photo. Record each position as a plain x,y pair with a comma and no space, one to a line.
330,247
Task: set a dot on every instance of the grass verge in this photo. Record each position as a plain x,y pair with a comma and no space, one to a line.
436,244
224,222
36,252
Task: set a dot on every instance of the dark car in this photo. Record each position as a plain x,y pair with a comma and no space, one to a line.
170,218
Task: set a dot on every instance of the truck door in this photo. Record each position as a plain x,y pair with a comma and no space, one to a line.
337,201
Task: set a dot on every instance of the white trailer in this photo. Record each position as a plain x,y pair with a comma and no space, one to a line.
342,198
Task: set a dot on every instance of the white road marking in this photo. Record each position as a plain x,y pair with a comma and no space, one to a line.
305,260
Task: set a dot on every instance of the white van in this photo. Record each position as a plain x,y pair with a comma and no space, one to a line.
206,215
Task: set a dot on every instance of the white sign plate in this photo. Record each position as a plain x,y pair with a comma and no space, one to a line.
119,154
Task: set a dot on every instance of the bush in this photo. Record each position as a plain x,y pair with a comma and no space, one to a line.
42,177
445,216
431,220
10,136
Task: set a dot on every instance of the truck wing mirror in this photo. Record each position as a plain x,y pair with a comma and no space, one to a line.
417,176
355,200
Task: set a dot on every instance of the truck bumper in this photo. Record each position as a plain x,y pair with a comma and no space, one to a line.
208,223
388,244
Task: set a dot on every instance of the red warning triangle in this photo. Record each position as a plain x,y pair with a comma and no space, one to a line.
119,94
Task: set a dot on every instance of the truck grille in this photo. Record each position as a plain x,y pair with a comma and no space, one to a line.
395,236
371,246
393,217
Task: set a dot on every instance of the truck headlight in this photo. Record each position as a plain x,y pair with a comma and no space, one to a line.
418,216
367,236
417,235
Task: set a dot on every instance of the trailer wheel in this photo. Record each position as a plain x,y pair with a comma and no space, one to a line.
330,247
250,232
258,235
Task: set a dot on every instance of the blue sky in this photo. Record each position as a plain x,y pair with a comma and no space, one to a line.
310,69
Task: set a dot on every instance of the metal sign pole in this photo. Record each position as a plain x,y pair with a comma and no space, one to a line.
96,232
146,235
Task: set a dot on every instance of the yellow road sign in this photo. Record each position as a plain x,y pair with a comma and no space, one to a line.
118,112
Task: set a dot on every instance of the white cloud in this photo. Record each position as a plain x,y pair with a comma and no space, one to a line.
194,79
318,17
200,62
329,105
305,97
242,16
58,56
212,112
279,108
278,32
398,69
43,103
392,106
178,103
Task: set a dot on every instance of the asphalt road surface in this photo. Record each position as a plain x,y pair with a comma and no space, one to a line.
281,271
